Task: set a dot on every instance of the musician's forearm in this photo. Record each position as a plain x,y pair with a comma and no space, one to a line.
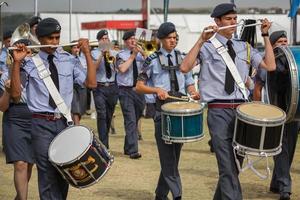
189,60
15,83
142,88
4,101
125,66
269,55
91,72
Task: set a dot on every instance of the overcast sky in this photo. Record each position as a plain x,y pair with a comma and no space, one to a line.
112,5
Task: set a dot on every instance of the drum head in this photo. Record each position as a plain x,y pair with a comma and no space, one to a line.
70,144
282,84
256,111
182,107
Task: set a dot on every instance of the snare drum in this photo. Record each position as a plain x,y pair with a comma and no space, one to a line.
182,122
80,158
283,83
258,129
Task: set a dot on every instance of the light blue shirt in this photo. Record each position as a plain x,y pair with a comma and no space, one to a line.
213,69
161,77
4,78
101,72
69,70
3,56
126,78
150,98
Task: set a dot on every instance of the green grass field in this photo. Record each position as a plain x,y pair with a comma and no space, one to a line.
136,179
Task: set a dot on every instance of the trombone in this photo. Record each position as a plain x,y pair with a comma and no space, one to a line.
149,47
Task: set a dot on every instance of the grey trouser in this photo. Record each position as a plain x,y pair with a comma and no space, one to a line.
169,155
52,185
132,105
221,128
105,102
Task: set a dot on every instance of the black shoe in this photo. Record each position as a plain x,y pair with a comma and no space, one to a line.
211,147
136,155
140,137
161,198
274,190
284,196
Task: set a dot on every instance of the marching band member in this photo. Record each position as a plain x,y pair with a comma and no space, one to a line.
281,180
47,122
129,63
162,81
33,22
218,89
79,101
106,93
16,130
3,51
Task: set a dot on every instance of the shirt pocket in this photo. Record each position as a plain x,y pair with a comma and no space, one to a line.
65,80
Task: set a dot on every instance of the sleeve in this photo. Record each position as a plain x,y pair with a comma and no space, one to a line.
95,54
189,79
256,57
4,78
261,75
146,70
119,59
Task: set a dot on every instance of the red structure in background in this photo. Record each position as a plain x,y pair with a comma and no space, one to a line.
112,24
120,24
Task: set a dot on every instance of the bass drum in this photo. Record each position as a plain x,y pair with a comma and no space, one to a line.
283,83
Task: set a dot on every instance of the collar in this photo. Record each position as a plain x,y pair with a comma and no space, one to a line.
165,53
222,39
45,55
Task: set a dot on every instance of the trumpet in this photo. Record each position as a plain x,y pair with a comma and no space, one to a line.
109,58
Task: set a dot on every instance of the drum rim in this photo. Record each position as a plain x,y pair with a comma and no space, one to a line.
188,111
190,139
292,109
256,152
79,156
243,116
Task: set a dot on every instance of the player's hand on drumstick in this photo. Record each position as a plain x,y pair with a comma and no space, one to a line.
20,53
207,35
83,44
162,94
195,95
265,26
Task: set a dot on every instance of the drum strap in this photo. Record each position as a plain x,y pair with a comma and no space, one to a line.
223,52
44,74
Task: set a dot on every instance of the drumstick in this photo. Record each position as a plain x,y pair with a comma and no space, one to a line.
231,26
178,98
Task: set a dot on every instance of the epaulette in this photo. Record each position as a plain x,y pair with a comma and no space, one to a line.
149,59
238,40
62,51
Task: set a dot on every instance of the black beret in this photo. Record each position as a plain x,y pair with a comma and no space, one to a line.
276,35
101,33
223,9
34,20
7,34
165,29
47,26
128,34
115,42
